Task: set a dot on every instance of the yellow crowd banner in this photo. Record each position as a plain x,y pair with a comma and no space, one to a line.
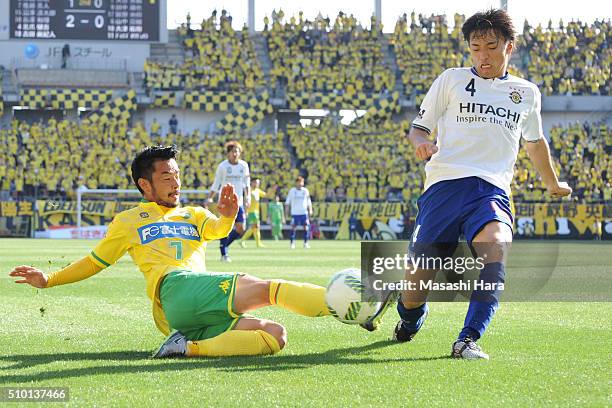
16,208
552,220
565,220
53,213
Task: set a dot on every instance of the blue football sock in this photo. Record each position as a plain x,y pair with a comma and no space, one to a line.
292,236
483,302
412,319
223,246
232,237
306,235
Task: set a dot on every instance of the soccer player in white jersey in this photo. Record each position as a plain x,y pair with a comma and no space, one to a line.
481,114
300,208
233,171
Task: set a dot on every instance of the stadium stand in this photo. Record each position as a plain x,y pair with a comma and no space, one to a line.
572,59
72,78
99,156
425,48
364,162
581,152
323,56
320,64
217,58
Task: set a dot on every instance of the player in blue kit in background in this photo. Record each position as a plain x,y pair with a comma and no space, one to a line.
233,171
481,113
299,206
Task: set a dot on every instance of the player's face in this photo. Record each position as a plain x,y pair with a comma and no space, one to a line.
166,183
299,183
234,155
490,54
255,183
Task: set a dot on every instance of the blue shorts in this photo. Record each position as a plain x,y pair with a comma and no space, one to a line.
451,208
300,220
240,215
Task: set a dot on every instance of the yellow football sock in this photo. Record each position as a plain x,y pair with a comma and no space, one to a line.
247,234
258,237
301,298
235,343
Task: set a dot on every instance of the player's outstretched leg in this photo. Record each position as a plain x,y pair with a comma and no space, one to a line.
302,298
491,243
249,337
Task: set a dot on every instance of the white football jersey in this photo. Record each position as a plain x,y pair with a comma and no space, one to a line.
480,123
299,201
236,174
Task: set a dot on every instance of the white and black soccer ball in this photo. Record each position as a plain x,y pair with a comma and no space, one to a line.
344,298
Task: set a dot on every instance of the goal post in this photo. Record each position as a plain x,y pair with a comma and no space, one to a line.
84,191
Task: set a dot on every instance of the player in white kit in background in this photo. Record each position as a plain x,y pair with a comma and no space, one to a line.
233,171
481,114
299,207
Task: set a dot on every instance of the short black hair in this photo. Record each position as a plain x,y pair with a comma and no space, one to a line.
142,166
495,20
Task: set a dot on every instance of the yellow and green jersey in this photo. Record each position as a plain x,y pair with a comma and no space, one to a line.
160,240
256,195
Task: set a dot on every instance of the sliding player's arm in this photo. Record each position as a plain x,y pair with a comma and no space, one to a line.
108,251
77,271
539,152
216,228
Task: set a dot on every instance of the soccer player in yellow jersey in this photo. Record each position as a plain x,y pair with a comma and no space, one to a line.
253,214
167,242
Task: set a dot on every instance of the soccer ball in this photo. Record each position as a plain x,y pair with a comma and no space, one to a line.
344,298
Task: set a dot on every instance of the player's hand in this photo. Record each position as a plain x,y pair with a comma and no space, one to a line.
425,150
31,275
228,202
562,189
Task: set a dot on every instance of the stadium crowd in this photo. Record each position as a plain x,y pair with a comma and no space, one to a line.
322,55
341,55
581,152
425,48
366,161
216,57
55,158
361,162
574,58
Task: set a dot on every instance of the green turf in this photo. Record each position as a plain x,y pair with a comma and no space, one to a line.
95,337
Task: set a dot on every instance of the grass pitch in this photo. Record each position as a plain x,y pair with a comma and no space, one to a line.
95,337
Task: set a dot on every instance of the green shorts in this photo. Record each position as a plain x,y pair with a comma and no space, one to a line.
199,304
253,218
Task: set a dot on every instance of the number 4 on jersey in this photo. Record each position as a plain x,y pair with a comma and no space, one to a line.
470,87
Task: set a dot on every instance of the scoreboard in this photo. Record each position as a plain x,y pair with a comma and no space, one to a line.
85,19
